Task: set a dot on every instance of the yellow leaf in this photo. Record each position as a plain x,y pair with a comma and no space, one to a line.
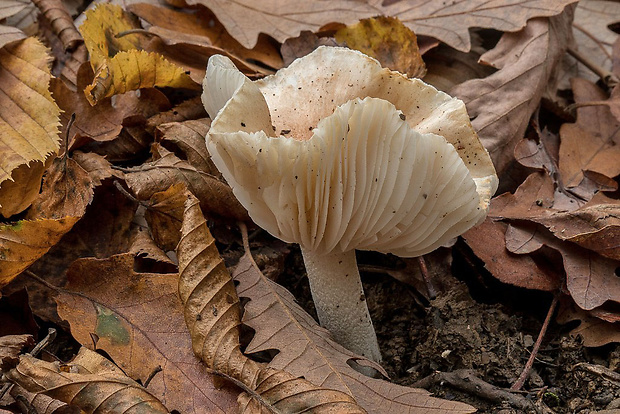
22,243
29,121
389,41
120,63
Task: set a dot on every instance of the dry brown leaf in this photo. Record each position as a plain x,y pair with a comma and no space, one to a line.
593,39
10,34
215,195
446,22
201,28
90,381
594,331
67,190
105,121
29,121
592,143
213,315
97,167
11,346
61,22
43,404
306,349
186,110
189,138
488,242
502,103
389,41
165,214
24,242
120,63
144,247
138,320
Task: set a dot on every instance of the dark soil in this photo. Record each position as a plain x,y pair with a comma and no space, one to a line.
474,323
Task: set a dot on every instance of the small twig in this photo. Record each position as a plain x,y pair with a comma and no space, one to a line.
49,338
530,362
606,76
465,380
605,373
126,193
430,288
152,375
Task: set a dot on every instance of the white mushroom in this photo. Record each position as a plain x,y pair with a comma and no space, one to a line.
375,161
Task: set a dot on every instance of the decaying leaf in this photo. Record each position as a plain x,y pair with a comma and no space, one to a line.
165,215
594,331
213,315
29,121
502,103
389,41
137,319
25,241
42,403
10,34
215,195
447,22
90,381
61,22
11,346
120,64
189,137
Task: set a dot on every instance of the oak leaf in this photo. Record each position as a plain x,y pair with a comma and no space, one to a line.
121,64
448,22
29,121
502,103
89,381
138,320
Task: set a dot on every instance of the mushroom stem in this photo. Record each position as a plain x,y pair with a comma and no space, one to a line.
340,301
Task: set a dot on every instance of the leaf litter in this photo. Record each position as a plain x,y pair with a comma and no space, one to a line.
110,230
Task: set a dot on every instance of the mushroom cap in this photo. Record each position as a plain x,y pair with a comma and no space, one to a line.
375,161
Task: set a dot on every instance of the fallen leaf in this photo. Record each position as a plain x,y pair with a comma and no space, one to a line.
90,381
61,22
10,34
24,242
306,349
213,316
296,47
29,121
502,103
105,121
186,110
446,22
215,195
67,190
488,242
138,320
594,331
189,138
43,404
590,144
97,167
120,64
11,346
164,215
389,41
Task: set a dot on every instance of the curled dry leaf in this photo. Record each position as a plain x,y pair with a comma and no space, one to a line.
29,121
213,315
43,404
119,63
215,195
90,382
189,109
448,22
24,242
164,214
11,346
502,103
137,319
389,41
61,21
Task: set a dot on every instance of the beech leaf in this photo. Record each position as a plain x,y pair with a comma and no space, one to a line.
90,381
29,121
